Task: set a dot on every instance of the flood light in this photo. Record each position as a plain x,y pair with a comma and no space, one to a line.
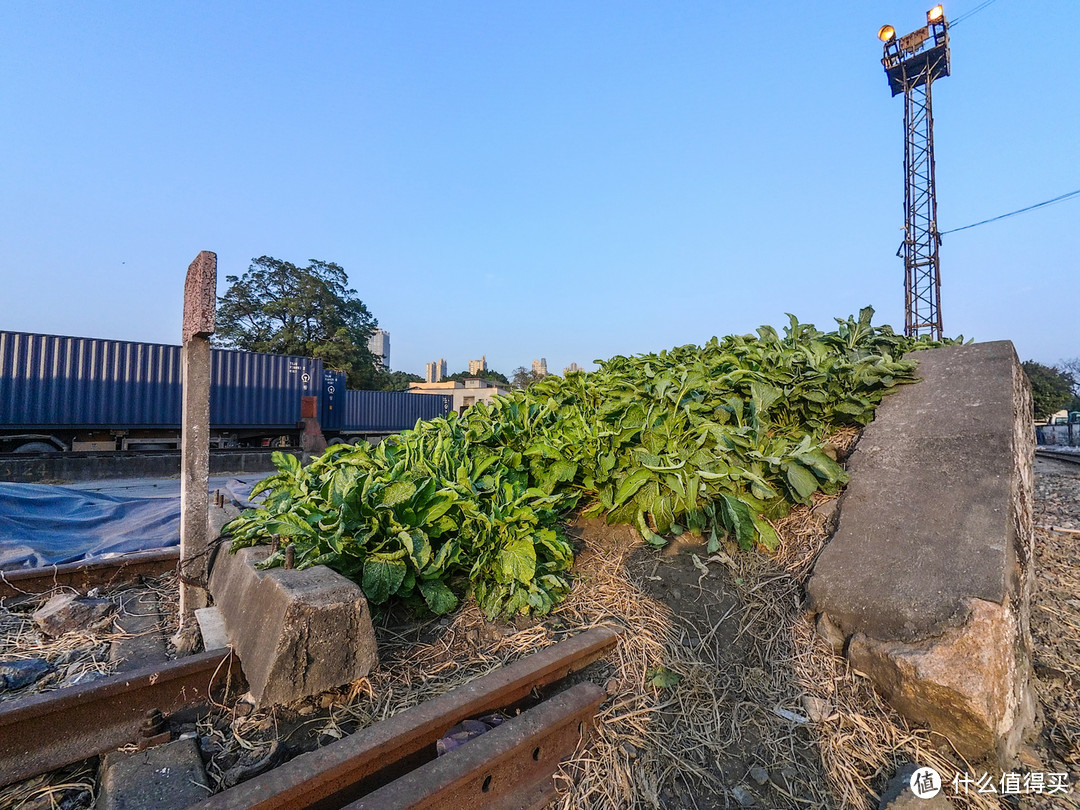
886,33
936,14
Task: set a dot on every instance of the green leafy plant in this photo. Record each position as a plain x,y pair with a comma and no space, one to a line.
716,439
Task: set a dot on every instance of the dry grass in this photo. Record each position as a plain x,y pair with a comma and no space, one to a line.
72,786
669,747
785,702
81,654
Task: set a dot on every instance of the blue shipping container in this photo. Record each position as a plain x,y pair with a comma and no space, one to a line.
391,411
51,381
332,405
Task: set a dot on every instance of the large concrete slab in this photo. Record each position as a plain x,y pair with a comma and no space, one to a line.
298,633
931,501
925,585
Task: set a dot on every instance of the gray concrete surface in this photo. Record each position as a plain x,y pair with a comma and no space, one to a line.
297,633
198,325
140,621
161,778
926,584
59,468
929,502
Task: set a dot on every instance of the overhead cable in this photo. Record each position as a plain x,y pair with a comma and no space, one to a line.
1043,204
966,14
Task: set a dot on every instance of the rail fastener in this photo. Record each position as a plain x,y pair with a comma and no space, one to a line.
47,731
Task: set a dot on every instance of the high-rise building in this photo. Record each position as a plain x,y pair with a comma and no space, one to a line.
571,368
436,370
478,366
379,344
540,367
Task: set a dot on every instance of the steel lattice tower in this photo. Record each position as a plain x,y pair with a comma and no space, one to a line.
911,64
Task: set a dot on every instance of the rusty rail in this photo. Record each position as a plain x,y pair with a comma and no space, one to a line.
47,731
373,757
1059,455
18,585
509,767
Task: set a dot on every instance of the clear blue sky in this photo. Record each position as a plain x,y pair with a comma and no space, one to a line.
570,180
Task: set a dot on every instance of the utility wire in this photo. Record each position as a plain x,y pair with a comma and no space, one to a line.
966,14
1062,198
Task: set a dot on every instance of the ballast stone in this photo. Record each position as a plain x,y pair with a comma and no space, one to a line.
66,612
298,633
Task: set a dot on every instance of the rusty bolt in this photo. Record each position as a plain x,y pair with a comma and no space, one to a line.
275,543
153,723
290,556
153,730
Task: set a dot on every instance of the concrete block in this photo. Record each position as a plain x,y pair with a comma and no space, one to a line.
298,633
160,778
212,628
144,643
927,578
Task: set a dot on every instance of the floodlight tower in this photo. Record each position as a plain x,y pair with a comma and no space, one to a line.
912,63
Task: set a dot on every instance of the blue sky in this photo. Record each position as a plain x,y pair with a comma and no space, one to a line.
569,180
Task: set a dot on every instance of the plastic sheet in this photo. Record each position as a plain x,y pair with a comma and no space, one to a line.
44,525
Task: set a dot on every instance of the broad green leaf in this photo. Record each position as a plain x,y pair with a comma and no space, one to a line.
381,579
518,560
802,481
439,598
631,485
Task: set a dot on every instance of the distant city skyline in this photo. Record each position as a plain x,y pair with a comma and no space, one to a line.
435,371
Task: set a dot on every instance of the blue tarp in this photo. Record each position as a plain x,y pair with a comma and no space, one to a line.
49,525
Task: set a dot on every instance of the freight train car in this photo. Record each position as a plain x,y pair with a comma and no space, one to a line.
350,415
84,394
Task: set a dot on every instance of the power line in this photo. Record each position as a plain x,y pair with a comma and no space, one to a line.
1043,204
965,15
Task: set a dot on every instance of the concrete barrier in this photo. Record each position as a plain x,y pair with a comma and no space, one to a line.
298,633
61,467
925,585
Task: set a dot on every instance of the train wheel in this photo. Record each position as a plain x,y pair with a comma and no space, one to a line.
37,447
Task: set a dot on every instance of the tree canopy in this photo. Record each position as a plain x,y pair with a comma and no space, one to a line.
394,380
523,378
1051,388
280,308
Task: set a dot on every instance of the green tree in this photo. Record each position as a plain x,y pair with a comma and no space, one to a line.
394,380
1051,388
1073,367
523,378
280,308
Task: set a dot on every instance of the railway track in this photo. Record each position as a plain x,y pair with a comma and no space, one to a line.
386,765
18,586
1058,455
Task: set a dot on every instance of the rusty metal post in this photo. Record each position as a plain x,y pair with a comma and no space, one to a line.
200,299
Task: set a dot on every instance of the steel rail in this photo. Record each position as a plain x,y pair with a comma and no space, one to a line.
47,731
1058,455
362,762
510,767
18,585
